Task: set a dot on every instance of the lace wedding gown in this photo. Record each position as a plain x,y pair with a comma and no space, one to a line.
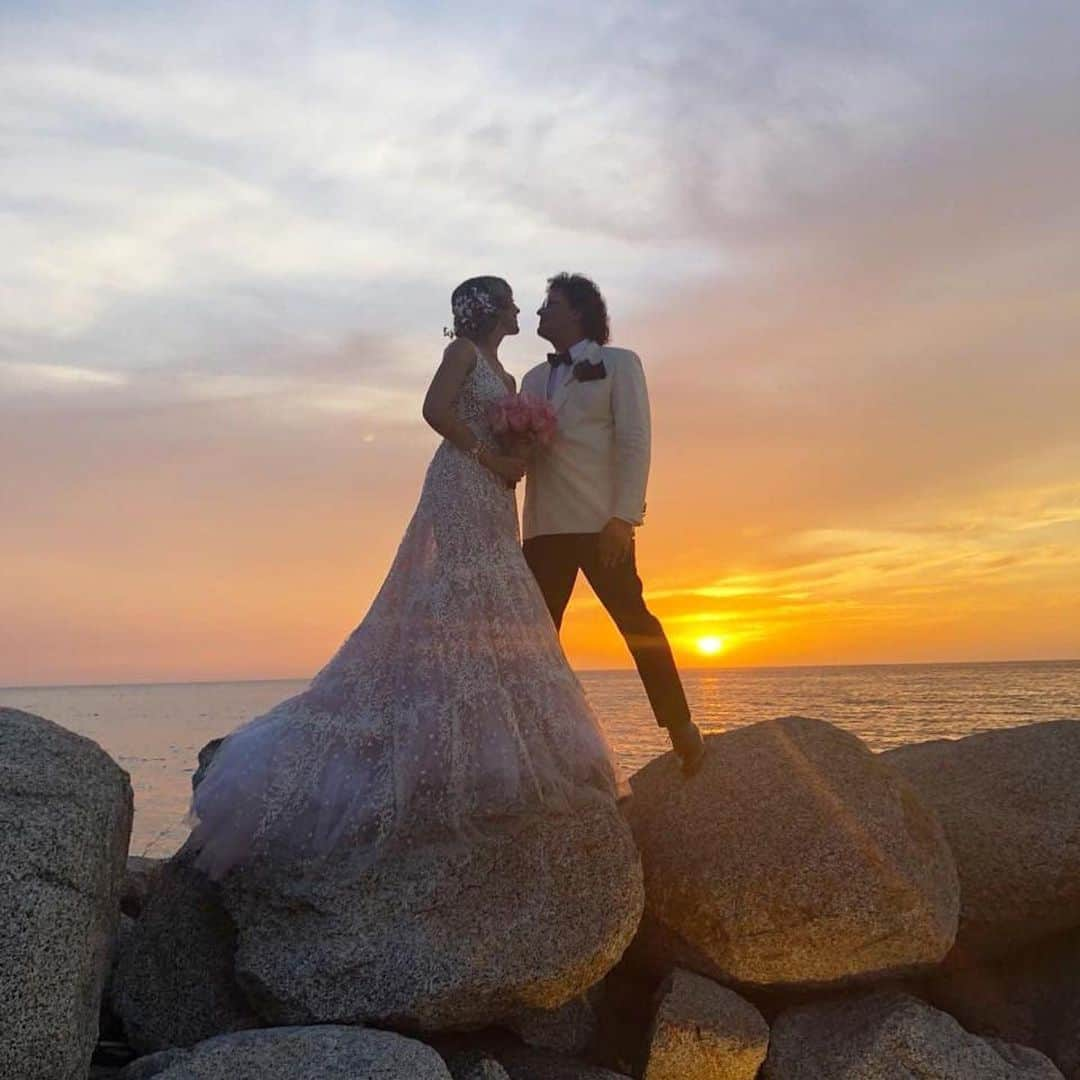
450,707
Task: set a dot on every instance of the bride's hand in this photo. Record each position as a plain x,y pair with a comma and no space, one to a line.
511,469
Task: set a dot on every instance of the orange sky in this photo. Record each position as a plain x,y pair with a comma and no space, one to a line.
846,257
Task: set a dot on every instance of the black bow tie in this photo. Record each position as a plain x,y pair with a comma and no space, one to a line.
557,358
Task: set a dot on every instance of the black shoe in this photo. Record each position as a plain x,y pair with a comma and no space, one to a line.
687,742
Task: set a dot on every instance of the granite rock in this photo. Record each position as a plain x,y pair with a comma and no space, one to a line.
794,856
65,823
174,983
706,1031
1030,996
891,1036
444,936
1009,802
287,1053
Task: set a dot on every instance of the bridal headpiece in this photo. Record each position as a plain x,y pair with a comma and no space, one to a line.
472,304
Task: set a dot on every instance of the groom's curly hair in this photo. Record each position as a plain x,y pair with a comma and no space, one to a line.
587,300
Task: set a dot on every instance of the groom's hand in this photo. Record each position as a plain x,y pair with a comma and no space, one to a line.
615,540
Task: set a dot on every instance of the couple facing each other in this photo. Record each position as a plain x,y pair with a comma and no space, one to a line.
452,707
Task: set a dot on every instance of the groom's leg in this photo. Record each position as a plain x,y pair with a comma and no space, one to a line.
553,560
618,588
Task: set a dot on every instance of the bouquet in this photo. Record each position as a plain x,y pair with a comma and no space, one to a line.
523,424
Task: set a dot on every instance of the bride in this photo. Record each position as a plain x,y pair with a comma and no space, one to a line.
451,706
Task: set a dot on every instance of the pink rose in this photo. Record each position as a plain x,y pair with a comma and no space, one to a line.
522,421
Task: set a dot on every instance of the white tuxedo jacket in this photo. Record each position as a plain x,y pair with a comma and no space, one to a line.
598,466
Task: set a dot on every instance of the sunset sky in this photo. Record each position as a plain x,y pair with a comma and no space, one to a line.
842,236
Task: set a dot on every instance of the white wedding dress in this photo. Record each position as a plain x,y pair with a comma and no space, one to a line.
449,708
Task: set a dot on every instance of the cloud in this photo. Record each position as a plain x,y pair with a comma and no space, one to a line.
319,160
840,237
56,377
286,177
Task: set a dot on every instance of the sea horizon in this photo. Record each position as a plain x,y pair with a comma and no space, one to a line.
155,729
711,669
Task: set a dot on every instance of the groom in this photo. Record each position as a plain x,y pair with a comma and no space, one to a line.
586,493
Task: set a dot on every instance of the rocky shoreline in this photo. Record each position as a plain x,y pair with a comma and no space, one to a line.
802,908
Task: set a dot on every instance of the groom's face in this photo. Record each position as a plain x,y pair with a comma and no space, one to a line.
559,322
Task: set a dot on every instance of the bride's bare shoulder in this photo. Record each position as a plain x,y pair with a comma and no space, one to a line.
459,356
459,348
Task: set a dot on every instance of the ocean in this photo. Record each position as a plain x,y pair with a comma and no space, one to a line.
155,731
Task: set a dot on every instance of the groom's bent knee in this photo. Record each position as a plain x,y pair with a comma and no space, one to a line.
635,621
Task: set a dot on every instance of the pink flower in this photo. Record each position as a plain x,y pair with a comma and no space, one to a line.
517,416
522,419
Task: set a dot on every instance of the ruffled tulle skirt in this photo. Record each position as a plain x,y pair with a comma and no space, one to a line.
450,708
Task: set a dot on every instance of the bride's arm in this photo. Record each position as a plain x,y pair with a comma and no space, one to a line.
439,411
458,361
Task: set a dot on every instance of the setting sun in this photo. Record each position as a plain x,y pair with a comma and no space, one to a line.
710,646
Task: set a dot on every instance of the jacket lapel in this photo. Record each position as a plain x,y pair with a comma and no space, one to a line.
564,391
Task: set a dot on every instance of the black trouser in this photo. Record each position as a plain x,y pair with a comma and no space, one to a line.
555,561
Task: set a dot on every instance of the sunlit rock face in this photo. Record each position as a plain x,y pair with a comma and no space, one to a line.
704,1030
795,856
891,1036
1009,801
65,822
442,936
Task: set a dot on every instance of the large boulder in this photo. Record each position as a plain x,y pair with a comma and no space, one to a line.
445,936
174,983
794,856
1009,801
706,1031
286,1053
1031,996
891,1036
65,822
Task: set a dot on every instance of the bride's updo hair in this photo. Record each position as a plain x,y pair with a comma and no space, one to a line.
476,304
